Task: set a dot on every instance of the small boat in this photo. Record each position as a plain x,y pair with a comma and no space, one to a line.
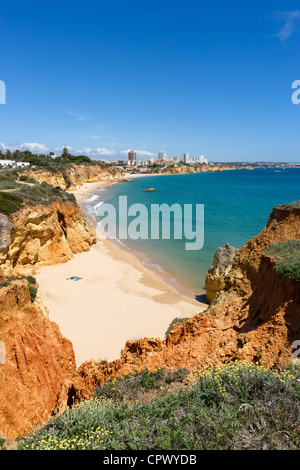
149,190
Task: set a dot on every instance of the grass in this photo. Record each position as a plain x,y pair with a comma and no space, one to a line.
234,406
44,193
10,203
31,195
290,205
173,322
287,256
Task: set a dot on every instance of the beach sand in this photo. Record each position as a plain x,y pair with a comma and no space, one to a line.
117,299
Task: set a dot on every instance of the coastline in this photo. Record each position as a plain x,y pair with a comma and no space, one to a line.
117,299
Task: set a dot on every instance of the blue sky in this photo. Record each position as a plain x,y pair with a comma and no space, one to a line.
105,76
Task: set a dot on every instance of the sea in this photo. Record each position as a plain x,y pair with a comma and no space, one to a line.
236,206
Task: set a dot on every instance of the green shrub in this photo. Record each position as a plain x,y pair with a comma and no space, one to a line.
67,180
5,284
80,427
135,386
287,257
173,322
32,292
10,203
237,406
289,270
31,279
45,194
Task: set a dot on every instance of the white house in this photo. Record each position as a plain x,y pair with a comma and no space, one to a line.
13,163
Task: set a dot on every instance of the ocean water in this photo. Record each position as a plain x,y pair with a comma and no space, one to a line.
237,204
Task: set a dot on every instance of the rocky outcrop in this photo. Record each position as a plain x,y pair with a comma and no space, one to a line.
39,364
198,168
283,224
215,278
76,175
40,235
5,228
255,317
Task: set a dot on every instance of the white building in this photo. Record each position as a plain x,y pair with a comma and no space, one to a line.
185,157
162,155
22,164
201,159
13,163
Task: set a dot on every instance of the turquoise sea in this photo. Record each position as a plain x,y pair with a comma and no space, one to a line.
237,204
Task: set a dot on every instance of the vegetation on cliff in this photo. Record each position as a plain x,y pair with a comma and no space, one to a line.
50,162
31,281
235,406
10,203
31,194
287,256
174,322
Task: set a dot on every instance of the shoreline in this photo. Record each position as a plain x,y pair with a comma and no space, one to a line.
86,194
117,298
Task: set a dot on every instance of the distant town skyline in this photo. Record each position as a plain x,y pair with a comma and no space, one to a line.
193,77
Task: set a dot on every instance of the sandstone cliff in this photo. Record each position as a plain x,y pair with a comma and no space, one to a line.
255,317
198,168
38,366
283,224
37,235
75,175
215,278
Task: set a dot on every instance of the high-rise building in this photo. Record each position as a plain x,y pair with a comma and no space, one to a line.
132,156
185,157
162,155
199,159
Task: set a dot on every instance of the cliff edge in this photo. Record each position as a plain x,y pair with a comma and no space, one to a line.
255,317
37,363
43,234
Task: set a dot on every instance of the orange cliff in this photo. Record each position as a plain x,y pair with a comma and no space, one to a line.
76,175
40,235
255,317
199,168
39,362
37,368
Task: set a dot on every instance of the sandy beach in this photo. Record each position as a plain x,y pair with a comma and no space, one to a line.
117,299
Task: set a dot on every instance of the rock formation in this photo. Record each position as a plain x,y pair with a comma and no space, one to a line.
75,175
221,266
199,168
43,235
39,363
255,317
5,228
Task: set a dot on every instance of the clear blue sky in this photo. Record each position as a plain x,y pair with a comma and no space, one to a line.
195,76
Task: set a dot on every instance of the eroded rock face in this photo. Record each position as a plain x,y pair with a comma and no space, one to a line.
255,317
215,278
39,363
76,175
6,227
283,224
45,235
